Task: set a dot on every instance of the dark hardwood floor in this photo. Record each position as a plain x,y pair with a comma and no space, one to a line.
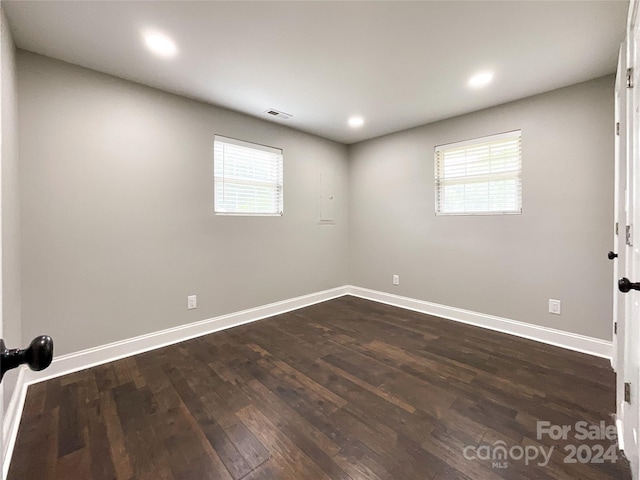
346,389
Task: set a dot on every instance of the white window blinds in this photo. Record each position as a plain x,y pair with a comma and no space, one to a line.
481,176
247,178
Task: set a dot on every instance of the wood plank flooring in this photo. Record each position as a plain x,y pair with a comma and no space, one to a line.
346,389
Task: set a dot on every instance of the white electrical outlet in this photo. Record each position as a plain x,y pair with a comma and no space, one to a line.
192,302
555,306
396,279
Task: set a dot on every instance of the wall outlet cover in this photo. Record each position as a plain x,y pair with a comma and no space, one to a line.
555,306
192,302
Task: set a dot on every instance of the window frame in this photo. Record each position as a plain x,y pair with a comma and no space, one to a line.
471,142
255,146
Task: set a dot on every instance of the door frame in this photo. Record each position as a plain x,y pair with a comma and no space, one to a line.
626,307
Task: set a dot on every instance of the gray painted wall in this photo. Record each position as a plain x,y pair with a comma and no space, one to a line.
116,186
509,265
11,315
118,225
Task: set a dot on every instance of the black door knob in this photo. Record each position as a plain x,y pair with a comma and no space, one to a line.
38,355
612,255
624,285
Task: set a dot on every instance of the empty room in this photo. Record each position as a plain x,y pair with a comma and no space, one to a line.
249,240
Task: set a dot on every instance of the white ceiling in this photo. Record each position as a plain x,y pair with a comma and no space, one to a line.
398,64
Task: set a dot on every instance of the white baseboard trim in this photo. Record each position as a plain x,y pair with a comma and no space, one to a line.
12,417
559,338
91,357
620,431
73,362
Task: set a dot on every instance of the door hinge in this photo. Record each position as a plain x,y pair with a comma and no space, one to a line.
618,129
615,328
629,240
627,392
617,228
629,77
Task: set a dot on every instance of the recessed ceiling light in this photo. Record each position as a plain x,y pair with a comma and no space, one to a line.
160,44
356,122
480,79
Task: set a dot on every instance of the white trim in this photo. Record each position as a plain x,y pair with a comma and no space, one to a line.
620,434
91,357
12,418
559,338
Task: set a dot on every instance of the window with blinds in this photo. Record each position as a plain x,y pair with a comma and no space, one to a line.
247,178
479,177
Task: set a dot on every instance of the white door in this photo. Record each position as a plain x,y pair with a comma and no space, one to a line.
2,467
620,220
628,404
619,207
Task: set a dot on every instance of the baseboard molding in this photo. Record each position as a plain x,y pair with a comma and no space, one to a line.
91,357
12,417
73,362
559,338
620,434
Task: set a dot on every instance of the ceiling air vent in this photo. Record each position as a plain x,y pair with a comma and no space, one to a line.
276,113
